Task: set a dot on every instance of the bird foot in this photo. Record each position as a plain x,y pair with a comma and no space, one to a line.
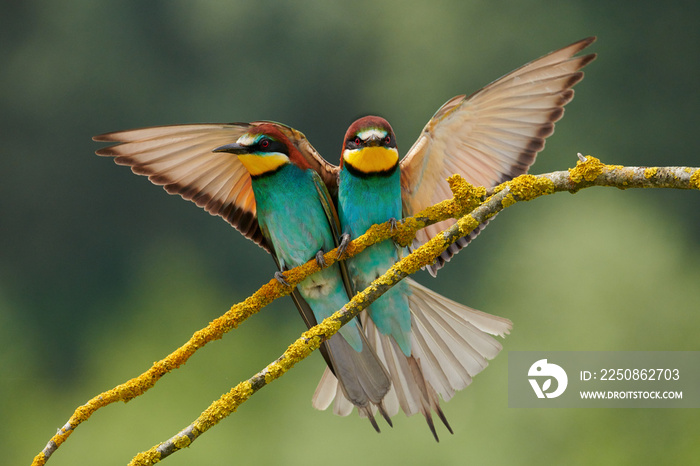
319,259
279,276
343,246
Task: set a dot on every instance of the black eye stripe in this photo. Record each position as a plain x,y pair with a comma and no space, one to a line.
352,143
266,144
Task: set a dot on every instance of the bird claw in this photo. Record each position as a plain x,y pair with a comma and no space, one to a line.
343,246
319,259
394,223
279,276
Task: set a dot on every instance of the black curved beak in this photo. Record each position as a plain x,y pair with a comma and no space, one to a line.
233,148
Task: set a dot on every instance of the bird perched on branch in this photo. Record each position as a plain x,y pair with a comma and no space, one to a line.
266,184
489,137
280,193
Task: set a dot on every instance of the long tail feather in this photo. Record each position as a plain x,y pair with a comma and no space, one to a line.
451,343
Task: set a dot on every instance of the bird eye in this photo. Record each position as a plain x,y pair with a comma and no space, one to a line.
387,140
265,143
358,141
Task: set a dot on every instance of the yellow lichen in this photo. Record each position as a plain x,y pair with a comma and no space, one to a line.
650,172
457,183
466,225
298,274
224,406
499,188
508,200
276,369
528,187
466,196
148,457
442,210
588,170
302,347
407,231
695,180
421,256
182,441
331,327
490,215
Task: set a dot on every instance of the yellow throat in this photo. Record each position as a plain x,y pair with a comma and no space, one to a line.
371,159
260,164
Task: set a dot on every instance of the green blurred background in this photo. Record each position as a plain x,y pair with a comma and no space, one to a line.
101,273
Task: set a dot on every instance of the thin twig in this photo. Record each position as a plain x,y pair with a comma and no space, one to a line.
465,204
589,172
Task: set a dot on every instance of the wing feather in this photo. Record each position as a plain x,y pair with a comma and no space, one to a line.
181,159
490,136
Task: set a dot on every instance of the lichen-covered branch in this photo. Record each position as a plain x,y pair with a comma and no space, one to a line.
588,172
470,206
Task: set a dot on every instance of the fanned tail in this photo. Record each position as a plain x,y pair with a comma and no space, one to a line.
450,344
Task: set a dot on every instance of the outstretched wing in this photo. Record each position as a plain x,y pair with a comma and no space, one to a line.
180,159
491,136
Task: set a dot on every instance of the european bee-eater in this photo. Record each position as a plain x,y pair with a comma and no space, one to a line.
266,183
489,137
